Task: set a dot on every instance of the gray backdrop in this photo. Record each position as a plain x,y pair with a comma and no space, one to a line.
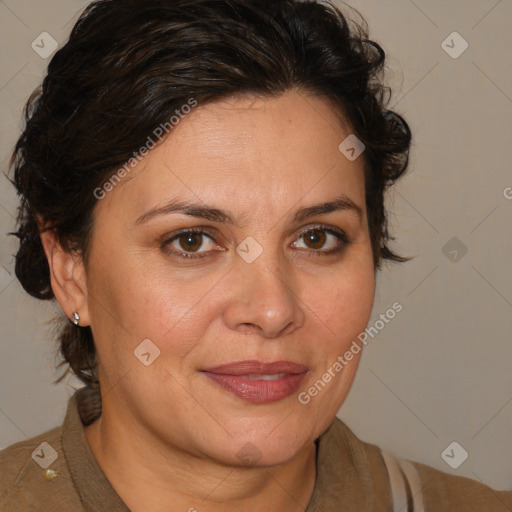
438,373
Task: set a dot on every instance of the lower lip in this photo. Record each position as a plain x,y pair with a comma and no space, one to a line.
258,391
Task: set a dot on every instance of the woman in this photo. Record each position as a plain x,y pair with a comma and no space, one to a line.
202,187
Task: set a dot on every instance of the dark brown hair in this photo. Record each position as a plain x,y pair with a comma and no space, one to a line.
129,65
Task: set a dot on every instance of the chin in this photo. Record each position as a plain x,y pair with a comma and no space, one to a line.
262,452
267,443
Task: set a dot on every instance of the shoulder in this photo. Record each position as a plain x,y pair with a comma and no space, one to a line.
19,460
445,492
440,491
34,475
21,471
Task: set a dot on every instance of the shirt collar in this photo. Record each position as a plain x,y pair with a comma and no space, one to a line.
93,487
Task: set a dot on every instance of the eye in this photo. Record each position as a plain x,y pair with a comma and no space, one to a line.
323,240
198,243
190,243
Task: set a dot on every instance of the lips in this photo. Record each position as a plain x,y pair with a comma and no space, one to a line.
258,382
258,368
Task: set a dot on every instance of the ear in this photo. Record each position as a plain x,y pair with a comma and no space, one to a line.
68,278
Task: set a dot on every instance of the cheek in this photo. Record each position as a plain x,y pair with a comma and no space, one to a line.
156,302
344,303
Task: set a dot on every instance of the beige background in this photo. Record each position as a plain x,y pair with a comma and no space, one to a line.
440,371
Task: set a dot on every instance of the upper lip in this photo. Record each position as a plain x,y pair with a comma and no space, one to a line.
258,368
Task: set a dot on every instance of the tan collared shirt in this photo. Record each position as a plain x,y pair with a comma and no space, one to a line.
351,477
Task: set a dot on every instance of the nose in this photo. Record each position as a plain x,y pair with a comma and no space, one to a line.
263,299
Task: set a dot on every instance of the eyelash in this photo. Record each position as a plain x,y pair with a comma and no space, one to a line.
340,235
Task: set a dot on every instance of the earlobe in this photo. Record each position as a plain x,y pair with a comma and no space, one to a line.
68,278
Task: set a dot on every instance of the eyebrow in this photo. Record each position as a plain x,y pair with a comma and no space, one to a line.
217,215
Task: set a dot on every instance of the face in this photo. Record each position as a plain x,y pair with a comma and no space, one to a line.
218,251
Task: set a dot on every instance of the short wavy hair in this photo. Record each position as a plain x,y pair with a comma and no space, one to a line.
130,64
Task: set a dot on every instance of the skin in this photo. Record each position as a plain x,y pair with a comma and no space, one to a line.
169,437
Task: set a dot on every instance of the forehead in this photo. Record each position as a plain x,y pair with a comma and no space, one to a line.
288,124
250,150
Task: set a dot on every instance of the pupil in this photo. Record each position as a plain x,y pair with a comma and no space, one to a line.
316,238
191,241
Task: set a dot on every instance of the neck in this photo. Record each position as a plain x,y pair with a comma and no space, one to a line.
153,476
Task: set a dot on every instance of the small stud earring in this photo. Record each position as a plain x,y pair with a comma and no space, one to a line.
76,318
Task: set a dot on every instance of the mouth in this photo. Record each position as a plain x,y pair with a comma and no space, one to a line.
258,382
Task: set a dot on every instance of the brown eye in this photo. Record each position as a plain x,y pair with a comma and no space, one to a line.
322,240
315,239
190,244
191,241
